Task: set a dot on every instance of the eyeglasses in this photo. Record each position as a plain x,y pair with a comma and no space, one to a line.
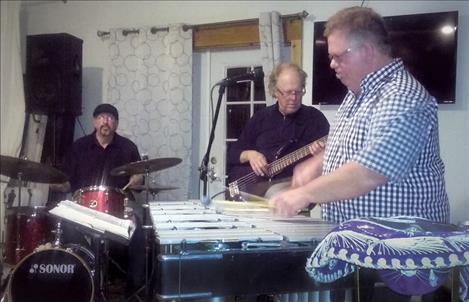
106,117
292,92
337,58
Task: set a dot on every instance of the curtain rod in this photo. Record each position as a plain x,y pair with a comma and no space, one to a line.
153,30
185,27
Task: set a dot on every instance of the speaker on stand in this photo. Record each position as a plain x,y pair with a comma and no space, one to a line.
54,88
54,74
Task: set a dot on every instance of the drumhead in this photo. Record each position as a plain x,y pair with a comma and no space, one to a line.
52,275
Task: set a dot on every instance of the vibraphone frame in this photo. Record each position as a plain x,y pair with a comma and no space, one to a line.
216,267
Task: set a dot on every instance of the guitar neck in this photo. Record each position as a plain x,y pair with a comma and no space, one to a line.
273,168
278,165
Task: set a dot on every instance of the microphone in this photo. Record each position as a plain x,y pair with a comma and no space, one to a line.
253,75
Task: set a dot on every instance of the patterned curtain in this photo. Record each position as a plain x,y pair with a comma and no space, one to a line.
150,83
271,39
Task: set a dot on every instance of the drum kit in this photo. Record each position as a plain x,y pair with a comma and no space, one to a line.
50,270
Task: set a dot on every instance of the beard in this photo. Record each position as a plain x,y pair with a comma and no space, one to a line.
105,130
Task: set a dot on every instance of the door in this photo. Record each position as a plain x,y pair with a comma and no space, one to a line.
239,103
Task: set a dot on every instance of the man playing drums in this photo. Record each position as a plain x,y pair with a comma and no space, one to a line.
88,166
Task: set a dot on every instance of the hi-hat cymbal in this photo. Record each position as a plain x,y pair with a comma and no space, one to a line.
153,189
144,166
30,171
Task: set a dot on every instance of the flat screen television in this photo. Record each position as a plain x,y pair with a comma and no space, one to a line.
427,44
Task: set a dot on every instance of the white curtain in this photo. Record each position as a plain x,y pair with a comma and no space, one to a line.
12,94
150,83
271,40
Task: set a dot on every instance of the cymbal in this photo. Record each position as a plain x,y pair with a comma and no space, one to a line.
143,166
30,171
153,189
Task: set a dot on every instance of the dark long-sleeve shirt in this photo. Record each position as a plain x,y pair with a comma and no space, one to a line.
269,130
89,164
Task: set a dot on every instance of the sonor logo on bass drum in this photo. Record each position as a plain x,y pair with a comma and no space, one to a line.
52,269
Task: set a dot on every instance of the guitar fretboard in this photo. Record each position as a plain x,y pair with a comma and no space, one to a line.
273,168
280,164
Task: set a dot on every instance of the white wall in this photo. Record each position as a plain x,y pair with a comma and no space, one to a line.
84,18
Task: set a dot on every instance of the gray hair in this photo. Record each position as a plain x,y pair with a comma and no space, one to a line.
361,24
279,69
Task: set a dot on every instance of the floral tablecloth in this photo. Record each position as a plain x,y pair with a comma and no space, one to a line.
413,256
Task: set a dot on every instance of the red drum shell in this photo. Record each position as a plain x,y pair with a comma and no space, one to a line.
34,228
103,199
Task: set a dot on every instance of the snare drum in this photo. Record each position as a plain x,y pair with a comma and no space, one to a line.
103,199
52,275
27,228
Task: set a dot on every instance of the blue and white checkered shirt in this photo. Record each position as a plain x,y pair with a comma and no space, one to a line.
390,128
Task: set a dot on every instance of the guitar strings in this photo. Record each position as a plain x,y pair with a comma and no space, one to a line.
281,163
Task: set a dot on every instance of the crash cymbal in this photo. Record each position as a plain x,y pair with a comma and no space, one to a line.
153,189
149,165
30,171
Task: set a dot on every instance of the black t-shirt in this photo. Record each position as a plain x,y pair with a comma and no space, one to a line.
89,164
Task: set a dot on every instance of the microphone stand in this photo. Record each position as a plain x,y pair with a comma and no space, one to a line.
204,165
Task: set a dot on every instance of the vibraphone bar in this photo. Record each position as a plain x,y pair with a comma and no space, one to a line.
205,252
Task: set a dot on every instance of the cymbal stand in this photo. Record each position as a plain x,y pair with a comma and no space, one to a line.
18,248
146,227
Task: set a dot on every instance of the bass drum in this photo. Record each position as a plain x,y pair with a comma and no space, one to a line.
53,275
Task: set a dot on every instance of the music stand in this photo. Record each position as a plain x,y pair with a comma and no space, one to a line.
98,246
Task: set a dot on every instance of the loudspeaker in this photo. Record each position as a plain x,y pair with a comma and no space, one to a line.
58,139
53,74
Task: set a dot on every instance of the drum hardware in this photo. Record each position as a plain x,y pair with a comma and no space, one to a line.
146,227
154,189
127,209
145,167
57,234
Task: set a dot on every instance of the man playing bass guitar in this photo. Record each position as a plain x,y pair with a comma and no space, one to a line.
276,137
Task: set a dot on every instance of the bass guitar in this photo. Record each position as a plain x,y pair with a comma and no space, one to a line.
258,185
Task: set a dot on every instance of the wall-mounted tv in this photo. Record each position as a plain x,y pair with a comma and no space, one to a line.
427,43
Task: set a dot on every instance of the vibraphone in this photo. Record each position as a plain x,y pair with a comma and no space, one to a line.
205,252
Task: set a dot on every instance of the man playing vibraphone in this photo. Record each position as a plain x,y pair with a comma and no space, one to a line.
382,155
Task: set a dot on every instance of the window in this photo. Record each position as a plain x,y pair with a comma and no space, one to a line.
242,101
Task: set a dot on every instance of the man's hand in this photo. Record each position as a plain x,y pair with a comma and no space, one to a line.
307,170
317,147
136,179
290,203
257,161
